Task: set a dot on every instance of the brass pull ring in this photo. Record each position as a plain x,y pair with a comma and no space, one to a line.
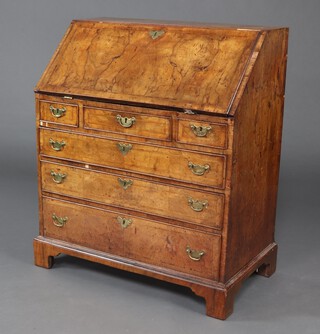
59,221
56,145
125,184
200,131
124,148
197,205
57,112
198,169
193,254
124,222
125,122
57,177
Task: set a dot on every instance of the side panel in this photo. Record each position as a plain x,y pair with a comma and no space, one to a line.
256,156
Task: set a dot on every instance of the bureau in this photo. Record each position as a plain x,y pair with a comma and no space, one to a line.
159,149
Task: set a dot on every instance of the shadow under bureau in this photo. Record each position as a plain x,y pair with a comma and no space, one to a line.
158,151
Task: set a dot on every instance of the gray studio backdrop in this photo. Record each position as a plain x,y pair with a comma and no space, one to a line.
30,30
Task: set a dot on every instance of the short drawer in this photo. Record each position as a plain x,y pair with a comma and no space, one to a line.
196,207
181,165
138,239
61,113
133,124
203,133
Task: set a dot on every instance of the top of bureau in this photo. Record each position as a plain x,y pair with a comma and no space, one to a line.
178,65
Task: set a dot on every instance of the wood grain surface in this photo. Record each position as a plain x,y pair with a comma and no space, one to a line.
144,125
70,117
255,170
164,200
154,160
143,240
223,126
194,68
215,137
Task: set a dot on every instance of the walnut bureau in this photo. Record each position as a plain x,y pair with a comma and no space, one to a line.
159,149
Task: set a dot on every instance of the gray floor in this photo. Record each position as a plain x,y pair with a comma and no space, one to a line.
81,297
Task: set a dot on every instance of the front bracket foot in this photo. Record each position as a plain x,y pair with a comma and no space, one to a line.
43,254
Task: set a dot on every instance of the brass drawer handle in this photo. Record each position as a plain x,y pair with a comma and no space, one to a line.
125,184
197,205
57,177
124,222
125,122
59,221
57,112
124,148
200,131
57,145
198,169
194,255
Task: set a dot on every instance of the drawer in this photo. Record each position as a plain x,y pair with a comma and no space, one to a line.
129,123
187,166
138,239
203,133
180,203
61,113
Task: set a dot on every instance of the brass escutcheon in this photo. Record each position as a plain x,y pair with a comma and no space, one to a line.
59,221
57,177
57,145
193,254
57,112
124,148
200,131
197,205
124,222
125,184
198,169
125,122
156,33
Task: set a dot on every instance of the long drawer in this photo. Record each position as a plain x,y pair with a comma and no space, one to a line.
181,203
135,238
187,166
